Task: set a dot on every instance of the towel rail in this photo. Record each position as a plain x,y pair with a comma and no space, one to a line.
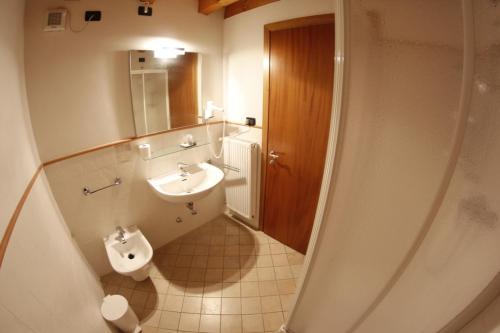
88,191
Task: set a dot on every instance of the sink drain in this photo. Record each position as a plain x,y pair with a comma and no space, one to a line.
131,256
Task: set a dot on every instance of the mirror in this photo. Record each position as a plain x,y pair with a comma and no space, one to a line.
165,91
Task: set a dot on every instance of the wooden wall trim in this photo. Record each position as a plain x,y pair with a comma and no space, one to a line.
209,6
17,211
244,5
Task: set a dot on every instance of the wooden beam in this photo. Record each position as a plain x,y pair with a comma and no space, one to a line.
244,5
209,6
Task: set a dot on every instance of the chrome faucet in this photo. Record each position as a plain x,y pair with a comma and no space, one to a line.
121,235
182,166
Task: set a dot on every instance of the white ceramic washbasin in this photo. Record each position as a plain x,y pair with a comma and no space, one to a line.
195,182
130,256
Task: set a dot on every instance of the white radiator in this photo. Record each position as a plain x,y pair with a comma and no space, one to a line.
241,168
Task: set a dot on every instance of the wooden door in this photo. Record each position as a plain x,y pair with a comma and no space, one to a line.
297,108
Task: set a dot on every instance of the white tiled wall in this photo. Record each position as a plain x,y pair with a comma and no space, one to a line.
92,217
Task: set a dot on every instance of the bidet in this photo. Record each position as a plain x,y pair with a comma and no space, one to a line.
129,252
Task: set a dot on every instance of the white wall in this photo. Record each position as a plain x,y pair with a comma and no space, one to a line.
403,127
78,84
488,321
16,138
244,50
92,217
45,286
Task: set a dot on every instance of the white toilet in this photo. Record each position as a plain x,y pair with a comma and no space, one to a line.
129,252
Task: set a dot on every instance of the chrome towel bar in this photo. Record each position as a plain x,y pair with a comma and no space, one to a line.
87,190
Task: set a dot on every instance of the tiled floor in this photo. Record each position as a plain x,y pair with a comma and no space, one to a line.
222,277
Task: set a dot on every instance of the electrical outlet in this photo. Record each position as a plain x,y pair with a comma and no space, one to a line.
92,15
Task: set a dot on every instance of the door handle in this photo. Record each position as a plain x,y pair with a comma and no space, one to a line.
273,157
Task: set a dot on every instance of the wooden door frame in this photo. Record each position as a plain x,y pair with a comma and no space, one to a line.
268,28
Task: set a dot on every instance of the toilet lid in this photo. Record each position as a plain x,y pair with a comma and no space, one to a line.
114,307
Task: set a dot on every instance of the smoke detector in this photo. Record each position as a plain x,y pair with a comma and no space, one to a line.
56,20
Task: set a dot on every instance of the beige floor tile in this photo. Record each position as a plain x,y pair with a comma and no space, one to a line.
296,270
180,274
149,329
184,261
264,261
276,248
155,301
232,262
126,292
248,262
169,260
128,282
216,250
199,262
194,289
201,250
232,250
187,249
247,250
213,275
191,305
280,259
283,272
253,323
272,321
232,240
263,249
271,304
268,288
210,323
286,301
189,322
161,330
197,274
231,305
173,249
212,290
173,303
230,323
218,240
248,275
177,288
295,258
215,262
169,320
286,286
152,319
231,275
139,298
251,305
266,273
232,289
211,305
249,289
160,285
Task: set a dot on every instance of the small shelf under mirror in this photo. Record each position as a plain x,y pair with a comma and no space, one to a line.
173,149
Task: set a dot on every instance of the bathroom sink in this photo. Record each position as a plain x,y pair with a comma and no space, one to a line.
192,183
129,252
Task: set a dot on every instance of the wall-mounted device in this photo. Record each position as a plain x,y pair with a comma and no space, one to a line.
92,15
146,9
56,20
209,110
